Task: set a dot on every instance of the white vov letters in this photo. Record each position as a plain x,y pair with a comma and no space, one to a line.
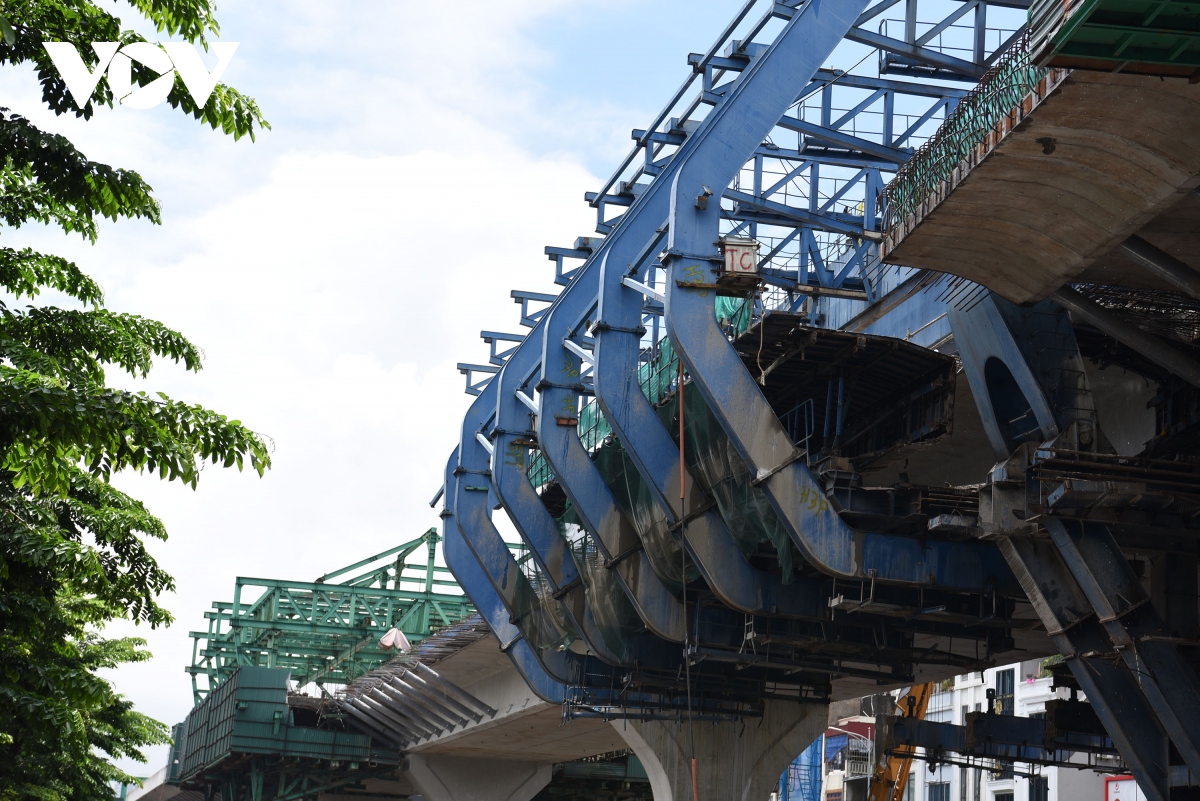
79,80
178,57
120,79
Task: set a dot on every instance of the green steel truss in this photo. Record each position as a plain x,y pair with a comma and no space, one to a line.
328,630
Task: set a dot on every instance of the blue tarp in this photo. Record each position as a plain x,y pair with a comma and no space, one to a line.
802,779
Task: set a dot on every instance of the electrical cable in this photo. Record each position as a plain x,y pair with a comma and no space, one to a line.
687,666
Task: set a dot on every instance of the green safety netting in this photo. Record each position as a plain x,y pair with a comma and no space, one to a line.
634,499
612,611
540,616
720,470
711,460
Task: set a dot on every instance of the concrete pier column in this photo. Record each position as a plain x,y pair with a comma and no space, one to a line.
735,760
445,778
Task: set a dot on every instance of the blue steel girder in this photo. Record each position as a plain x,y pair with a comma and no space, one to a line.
513,437
791,192
473,503
826,542
501,345
558,403
470,575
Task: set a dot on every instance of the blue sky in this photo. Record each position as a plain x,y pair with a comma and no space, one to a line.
336,270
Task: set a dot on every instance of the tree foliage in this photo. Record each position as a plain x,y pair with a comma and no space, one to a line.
73,549
82,22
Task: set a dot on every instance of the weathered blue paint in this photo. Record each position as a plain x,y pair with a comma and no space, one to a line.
661,611
988,735
755,103
473,503
1016,360
1135,629
470,577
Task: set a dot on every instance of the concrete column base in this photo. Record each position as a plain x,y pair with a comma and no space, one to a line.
735,761
445,778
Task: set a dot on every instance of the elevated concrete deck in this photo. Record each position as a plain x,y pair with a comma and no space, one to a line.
525,727
1061,183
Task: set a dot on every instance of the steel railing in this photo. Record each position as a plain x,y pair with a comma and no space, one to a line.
1002,88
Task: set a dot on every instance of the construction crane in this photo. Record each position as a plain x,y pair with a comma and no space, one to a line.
891,774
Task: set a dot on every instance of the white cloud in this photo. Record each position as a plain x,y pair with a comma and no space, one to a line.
336,271
332,304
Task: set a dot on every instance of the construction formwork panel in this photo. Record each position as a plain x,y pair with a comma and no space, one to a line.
249,714
1150,37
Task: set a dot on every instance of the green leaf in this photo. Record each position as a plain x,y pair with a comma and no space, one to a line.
73,549
10,36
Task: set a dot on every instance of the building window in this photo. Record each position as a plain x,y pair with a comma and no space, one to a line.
1039,788
939,791
1005,700
833,795
1008,796
909,785
940,708
963,776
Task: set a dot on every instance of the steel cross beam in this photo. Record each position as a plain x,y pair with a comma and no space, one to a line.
815,527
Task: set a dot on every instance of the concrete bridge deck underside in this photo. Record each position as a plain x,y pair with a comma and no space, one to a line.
1061,183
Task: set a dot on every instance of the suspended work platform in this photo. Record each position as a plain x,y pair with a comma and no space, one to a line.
328,630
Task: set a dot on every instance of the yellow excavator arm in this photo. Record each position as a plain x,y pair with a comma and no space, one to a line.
891,776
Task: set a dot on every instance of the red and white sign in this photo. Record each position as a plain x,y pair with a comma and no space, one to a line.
741,256
1122,788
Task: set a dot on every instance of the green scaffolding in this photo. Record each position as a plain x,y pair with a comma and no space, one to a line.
328,630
